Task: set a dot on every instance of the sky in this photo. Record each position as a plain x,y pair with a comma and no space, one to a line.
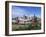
25,10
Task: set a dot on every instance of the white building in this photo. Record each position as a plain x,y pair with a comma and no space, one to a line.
22,20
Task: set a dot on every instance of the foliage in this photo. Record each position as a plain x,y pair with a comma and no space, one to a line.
27,27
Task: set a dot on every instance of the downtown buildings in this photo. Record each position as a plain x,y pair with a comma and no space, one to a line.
26,20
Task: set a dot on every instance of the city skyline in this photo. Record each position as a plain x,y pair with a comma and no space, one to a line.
25,10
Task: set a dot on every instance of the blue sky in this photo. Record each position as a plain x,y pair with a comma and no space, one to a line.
25,10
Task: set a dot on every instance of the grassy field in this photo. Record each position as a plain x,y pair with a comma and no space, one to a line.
17,27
